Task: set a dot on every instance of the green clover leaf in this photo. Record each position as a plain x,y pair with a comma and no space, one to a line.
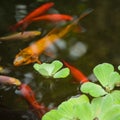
107,76
93,89
102,72
52,70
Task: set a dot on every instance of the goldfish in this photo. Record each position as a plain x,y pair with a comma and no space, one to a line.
26,35
31,53
53,17
77,74
38,11
26,91
9,80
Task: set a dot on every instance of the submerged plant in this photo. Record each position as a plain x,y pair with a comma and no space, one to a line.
53,69
105,104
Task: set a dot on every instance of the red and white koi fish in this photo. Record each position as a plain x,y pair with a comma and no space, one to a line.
38,11
77,74
9,80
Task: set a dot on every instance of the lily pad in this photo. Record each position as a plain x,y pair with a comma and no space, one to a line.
86,114
62,73
52,115
52,69
113,113
102,72
73,109
119,67
93,89
116,96
114,80
101,104
58,65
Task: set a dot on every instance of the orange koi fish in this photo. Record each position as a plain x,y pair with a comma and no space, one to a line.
9,80
40,10
26,35
53,17
32,52
77,74
29,95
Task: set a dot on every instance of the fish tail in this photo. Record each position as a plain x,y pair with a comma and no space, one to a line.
14,27
76,73
84,14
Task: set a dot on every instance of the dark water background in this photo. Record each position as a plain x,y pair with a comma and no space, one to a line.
99,43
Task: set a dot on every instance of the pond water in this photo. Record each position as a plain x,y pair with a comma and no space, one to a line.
99,43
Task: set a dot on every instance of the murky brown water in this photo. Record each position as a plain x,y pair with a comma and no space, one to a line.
99,43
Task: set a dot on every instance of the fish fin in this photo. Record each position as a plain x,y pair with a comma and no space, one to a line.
35,58
57,29
38,61
79,29
25,25
84,14
49,54
53,31
16,26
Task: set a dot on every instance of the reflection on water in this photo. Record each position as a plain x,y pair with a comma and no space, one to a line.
20,12
100,43
77,50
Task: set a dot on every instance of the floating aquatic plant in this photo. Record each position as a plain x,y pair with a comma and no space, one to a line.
105,104
73,109
107,77
53,69
93,89
101,108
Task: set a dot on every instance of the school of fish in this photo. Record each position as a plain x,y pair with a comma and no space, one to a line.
32,53
38,14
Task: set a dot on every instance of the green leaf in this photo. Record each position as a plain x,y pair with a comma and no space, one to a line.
48,67
76,108
43,72
52,70
84,112
102,72
62,73
36,66
99,105
44,69
114,80
57,65
52,115
116,96
93,89
71,110
113,113
119,67
73,102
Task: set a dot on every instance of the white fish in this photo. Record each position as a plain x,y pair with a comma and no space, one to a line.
27,35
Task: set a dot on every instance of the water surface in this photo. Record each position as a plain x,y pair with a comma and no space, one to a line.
99,43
